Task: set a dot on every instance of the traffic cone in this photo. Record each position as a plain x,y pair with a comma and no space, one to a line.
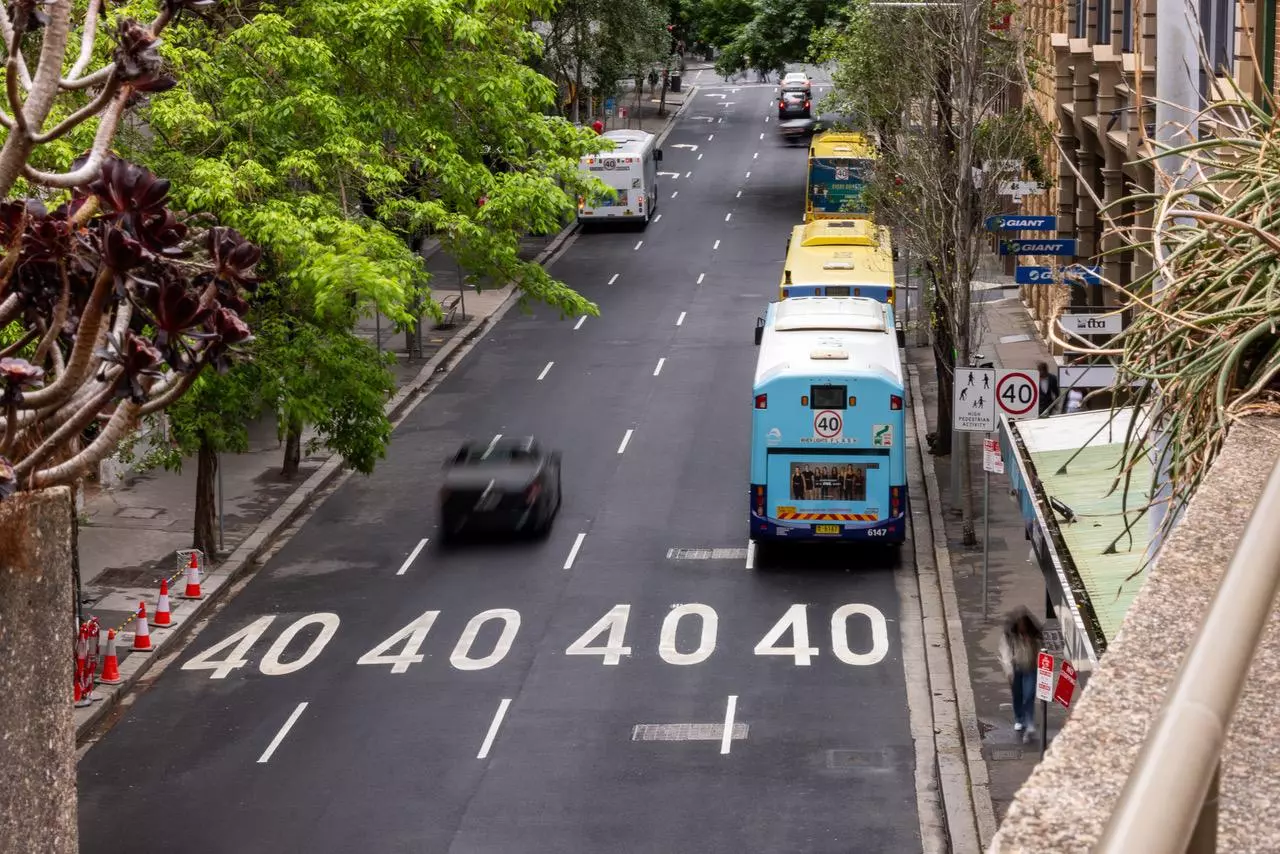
193,580
164,618
83,697
110,663
142,633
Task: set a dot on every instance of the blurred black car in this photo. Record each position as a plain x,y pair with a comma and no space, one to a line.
507,485
793,104
798,130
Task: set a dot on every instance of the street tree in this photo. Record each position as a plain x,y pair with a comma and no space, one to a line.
934,85
763,34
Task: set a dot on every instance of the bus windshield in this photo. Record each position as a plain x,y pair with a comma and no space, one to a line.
837,185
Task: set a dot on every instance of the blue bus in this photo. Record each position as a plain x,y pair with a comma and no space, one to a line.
828,425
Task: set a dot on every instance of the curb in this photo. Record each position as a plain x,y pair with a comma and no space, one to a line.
961,762
227,572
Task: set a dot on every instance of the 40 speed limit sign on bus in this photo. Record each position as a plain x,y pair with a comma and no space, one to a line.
1018,394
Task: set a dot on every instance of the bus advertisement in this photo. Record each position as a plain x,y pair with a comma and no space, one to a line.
839,258
828,423
840,167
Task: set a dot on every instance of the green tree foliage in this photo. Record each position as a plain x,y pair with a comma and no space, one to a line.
761,34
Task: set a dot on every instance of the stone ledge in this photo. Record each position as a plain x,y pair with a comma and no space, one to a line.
1064,805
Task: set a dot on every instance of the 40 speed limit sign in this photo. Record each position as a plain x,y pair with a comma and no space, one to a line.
1018,394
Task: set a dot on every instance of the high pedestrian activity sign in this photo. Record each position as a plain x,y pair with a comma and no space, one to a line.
982,395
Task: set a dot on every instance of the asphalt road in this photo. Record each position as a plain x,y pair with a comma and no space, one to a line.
498,739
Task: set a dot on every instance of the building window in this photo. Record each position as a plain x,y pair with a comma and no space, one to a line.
1082,19
1126,27
1104,23
1218,29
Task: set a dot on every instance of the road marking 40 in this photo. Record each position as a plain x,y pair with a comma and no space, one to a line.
605,638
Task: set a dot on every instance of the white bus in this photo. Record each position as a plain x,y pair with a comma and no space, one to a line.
631,169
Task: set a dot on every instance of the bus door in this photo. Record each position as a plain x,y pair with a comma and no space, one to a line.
831,490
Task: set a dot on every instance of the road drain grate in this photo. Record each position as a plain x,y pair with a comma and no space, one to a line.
706,554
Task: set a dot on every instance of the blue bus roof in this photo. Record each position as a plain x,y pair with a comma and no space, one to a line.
828,336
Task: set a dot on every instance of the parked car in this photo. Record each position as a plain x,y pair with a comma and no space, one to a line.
506,485
793,104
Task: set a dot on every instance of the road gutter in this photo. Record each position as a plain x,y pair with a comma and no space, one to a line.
961,771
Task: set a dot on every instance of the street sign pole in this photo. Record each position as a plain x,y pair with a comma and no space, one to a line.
986,530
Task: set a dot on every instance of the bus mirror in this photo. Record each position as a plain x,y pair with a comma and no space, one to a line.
902,338
759,330
657,155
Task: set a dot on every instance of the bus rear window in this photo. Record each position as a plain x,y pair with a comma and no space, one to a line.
827,396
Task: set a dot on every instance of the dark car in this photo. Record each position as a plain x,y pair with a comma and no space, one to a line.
508,485
793,104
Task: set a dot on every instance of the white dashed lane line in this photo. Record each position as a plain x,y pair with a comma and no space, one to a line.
701,276
754,156
688,174
727,217
581,320
284,730
762,136
657,217
573,552
715,246
658,369
626,437
675,193
614,278
680,319
493,728
748,174
711,137
545,371
739,194
639,243
417,550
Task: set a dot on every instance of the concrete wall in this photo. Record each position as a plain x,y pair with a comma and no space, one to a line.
37,740
1064,805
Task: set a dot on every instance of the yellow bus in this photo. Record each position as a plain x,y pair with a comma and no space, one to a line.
840,167
839,258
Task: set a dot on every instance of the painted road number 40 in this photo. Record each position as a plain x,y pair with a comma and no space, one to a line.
403,649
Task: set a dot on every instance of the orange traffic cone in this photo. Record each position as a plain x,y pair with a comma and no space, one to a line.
193,580
82,698
164,618
142,634
110,663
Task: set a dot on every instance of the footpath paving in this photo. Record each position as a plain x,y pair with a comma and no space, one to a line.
1008,338
132,527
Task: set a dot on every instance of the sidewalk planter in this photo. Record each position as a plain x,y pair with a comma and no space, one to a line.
37,765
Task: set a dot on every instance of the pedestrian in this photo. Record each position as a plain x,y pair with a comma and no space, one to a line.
1075,399
1019,647
1048,388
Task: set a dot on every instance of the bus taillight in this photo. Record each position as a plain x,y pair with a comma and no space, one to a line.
895,500
895,402
759,500
762,401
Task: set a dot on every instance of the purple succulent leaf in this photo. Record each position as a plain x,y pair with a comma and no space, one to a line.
16,375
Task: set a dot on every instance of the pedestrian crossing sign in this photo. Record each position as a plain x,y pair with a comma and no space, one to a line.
973,405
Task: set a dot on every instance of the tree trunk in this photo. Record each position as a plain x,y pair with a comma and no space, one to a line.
292,449
205,537
577,66
944,362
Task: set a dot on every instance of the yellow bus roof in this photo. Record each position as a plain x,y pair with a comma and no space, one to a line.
842,144
839,252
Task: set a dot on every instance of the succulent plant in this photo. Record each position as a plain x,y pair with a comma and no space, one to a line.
15,376
134,199
138,60
8,480
137,357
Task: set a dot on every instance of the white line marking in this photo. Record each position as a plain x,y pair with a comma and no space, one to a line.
675,193
545,371
639,243
748,174
766,118
701,276
739,194
719,121
727,216
614,278
680,319
688,174
715,246
762,136
626,437
754,156
284,730
751,554
581,320
492,445
727,738
658,217
417,550
658,369
493,729
573,552
699,156
713,136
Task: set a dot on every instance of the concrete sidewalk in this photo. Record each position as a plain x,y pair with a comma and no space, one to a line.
1008,338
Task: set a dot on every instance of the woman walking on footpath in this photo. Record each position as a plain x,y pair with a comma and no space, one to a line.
1019,647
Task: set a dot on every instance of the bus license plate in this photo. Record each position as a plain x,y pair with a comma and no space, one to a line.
826,529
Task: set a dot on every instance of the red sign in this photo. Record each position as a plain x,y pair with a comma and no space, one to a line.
1066,685
1044,677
